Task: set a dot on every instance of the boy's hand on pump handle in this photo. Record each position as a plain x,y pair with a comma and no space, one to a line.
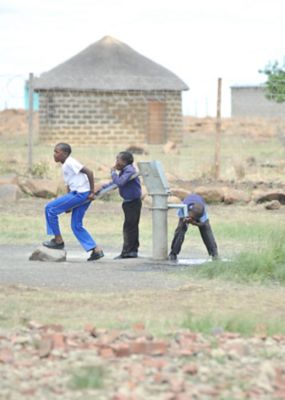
91,196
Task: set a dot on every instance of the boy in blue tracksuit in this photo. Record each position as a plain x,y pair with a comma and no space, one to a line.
130,190
197,216
80,184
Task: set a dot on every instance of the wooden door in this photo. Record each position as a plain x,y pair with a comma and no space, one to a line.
156,122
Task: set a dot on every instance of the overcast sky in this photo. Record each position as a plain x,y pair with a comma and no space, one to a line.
197,40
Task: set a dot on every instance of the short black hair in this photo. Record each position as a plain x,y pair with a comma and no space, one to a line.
126,156
65,147
196,210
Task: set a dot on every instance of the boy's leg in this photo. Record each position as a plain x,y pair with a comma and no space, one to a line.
132,212
82,235
209,239
59,206
178,238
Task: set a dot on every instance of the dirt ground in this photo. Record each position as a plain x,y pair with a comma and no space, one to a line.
116,331
62,324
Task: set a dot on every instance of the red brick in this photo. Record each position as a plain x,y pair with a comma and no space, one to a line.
157,347
191,369
139,326
138,347
121,350
6,356
106,352
58,340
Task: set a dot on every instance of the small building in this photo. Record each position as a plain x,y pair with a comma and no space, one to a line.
110,94
250,101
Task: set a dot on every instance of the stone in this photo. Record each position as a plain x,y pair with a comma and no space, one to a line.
170,147
45,347
137,149
235,196
174,200
43,253
179,192
273,205
171,177
10,179
262,197
44,188
211,194
10,192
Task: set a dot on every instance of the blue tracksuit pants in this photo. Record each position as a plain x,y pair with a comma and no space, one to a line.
61,205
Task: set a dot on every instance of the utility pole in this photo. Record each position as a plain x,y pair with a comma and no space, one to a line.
30,129
218,131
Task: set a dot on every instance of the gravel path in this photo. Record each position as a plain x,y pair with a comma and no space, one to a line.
104,275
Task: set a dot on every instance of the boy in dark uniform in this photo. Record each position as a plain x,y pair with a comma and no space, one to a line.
197,216
130,190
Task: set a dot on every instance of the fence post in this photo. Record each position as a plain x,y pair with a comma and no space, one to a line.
218,132
30,129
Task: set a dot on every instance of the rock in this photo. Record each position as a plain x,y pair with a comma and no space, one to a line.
170,147
137,149
251,161
147,201
180,193
11,179
174,200
235,196
171,177
10,192
262,197
44,188
43,253
211,195
273,205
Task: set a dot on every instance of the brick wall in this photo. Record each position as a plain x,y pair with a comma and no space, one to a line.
105,117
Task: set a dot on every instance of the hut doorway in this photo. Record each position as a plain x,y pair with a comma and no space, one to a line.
156,122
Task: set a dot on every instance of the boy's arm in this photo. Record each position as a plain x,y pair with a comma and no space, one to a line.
90,177
190,220
121,180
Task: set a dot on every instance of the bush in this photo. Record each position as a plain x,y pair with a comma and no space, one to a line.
40,169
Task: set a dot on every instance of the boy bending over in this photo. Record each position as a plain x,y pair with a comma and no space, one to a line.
197,216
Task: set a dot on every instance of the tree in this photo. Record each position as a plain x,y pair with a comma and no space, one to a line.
275,85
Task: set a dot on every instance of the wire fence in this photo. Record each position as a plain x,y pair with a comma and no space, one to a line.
237,100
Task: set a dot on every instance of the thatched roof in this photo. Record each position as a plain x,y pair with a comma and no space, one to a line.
109,65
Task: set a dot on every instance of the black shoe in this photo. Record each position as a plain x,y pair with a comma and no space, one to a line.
131,254
172,257
95,255
51,244
119,257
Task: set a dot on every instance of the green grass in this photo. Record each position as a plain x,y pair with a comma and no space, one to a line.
195,158
262,264
87,377
245,325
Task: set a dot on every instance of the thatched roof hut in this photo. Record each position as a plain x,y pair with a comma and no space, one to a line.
96,79
109,65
